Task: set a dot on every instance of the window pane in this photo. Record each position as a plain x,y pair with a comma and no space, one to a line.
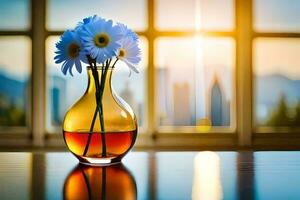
194,81
277,15
276,68
14,14
66,14
63,91
15,69
195,14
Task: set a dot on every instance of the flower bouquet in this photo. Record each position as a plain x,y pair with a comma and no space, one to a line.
100,118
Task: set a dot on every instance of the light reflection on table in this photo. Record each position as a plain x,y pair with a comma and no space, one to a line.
153,175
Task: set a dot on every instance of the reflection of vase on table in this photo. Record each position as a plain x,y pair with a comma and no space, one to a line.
110,182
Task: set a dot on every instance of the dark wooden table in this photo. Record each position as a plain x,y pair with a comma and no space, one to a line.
153,175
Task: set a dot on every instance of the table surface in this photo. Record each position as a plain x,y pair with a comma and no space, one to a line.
153,175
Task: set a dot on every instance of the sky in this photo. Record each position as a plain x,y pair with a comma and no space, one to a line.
279,56
131,12
277,15
15,56
14,14
190,14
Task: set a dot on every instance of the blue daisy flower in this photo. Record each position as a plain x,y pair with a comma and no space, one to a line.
100,39
127,32
70,52
130,53
88,20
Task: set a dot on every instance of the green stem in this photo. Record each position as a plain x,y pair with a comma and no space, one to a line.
93,120
115,62
99,95
90,133
99,107
101,113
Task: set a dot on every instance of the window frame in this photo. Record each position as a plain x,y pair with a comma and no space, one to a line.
245,134
20,133
152,131
273,136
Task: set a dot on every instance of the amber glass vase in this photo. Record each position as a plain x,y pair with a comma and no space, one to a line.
100,128
106,182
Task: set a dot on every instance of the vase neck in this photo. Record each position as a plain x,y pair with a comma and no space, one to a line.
101,75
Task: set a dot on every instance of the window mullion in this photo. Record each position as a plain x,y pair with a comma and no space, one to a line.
151,70
244,71
38,71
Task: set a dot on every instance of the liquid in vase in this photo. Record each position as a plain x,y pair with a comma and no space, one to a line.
117,143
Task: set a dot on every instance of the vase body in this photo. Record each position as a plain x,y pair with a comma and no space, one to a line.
117,132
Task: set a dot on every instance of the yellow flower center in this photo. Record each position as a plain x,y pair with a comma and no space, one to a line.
122,53
73,50
101,40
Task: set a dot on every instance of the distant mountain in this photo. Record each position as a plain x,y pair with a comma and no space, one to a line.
269,88
12,89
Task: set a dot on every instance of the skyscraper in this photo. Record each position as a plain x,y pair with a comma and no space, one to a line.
181,98
219,106
164,110
128,96
58,99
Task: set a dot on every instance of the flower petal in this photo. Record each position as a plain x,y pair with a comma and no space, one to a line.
78,65
63,54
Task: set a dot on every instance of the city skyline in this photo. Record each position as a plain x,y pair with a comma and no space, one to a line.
264,104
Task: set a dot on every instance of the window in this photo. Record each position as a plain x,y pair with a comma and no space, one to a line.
195,84
224,68
14,80
276,65
277,81
15,66
210,102
194,73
